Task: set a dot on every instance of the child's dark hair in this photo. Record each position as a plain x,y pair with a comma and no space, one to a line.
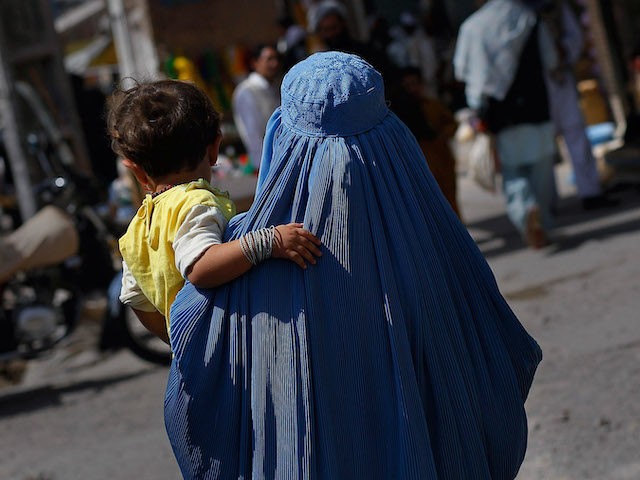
163,126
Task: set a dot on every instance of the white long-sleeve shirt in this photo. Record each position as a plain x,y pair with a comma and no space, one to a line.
253,101
489,45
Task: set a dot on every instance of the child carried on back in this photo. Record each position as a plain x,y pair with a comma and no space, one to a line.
168,134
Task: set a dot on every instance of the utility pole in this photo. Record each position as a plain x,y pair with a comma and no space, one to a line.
131,27
122,40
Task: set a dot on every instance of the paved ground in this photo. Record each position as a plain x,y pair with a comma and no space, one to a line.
581,300
79,415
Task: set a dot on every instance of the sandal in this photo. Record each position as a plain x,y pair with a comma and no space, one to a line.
534,233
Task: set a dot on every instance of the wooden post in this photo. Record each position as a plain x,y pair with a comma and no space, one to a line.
611,76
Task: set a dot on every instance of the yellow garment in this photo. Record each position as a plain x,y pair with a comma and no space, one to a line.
147,246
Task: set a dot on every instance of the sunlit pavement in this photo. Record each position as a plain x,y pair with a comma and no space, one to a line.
580,299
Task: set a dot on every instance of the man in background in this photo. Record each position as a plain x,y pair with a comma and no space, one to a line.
255,99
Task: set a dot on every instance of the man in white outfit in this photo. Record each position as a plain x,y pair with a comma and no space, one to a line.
501,54
255,99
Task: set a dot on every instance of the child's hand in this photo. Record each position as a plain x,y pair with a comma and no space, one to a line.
294,243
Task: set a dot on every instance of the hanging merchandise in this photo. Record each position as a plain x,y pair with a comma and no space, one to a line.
213,76
184,68
169,68
237,61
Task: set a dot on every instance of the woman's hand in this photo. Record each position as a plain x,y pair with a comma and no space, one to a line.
293,242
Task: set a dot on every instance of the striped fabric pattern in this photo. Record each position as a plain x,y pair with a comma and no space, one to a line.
395,357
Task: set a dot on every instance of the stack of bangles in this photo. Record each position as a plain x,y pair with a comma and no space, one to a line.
257,246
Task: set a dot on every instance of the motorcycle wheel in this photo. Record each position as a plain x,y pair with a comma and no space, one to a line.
140,341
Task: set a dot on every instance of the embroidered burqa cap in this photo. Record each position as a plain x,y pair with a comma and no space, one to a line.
395,356
332,94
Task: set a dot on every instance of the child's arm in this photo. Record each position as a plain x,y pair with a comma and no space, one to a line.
132,297
154,322
224,262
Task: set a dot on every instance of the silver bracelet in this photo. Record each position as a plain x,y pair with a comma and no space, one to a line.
257,246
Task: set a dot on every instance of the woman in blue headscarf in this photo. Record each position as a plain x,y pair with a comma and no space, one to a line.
395,356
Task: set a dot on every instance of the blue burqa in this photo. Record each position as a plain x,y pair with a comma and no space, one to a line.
394,357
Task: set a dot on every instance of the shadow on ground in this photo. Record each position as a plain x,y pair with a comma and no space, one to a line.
574,226
26,401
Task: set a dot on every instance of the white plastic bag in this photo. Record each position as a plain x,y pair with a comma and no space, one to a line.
481,166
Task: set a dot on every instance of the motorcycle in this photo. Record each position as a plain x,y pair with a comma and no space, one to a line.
70,254
51,263
54,260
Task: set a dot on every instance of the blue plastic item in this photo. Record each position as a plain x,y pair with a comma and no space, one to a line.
600,132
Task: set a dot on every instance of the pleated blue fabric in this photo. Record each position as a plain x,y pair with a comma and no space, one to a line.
394,357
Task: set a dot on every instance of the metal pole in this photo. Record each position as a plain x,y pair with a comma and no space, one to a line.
13,145
122,40
141,32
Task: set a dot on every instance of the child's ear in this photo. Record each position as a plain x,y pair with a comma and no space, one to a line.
213,150
138,172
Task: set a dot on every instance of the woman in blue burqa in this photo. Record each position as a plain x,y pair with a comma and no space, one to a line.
395,356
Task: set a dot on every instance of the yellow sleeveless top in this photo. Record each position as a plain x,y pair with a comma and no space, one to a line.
147,245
